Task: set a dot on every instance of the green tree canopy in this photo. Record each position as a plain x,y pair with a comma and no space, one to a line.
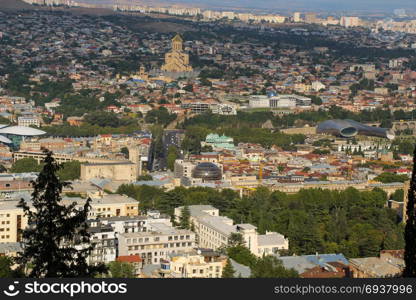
121,270
70,170
25,165
228,271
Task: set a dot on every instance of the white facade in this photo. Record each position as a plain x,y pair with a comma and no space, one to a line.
350,21
183,168
259,101
297,17
28,121
156,245
317,86
214,231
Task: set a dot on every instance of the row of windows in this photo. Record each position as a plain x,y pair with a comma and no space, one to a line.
175,238
157,239
5,222
5,236
104,209
103,251
4,229
170,245
141,240
4,215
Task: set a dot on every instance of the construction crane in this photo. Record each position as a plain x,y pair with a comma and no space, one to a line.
261,173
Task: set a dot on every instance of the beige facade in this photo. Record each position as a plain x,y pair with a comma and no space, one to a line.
12,219
118,171
194,265
176,60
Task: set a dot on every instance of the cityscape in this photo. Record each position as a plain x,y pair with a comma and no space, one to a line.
179,140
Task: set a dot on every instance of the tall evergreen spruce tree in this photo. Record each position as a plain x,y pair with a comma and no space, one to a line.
184,219
228,271
410,229
56,242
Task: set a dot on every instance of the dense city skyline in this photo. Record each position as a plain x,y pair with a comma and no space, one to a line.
319,5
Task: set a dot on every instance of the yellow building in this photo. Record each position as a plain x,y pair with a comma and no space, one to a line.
141,74
176,60
194,265
13,220
117,171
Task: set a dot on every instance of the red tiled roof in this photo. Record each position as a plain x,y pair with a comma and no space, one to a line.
129,258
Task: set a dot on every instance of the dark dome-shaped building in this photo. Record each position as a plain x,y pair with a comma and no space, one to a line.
207,171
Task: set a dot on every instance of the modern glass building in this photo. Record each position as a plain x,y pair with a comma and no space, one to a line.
350,128
207,171
13,135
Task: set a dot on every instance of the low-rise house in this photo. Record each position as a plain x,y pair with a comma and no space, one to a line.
134,260
387,265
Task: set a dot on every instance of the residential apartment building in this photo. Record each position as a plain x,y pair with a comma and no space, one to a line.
12,219
104,240
28,121
128,224
155,245
214,231
183,168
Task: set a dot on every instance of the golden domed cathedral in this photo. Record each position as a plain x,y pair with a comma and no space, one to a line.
176,60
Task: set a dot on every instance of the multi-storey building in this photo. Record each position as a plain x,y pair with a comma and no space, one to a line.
152,246
12,219
28,121
215,231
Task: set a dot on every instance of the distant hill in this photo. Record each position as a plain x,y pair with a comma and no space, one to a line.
14,5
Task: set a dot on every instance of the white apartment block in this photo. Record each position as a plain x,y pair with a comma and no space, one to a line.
214,231
105,245
28,121
128,224
183,168
155,245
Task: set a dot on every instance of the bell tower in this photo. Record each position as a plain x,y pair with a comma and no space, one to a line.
177,42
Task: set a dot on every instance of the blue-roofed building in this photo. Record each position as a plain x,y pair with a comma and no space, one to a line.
318,265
